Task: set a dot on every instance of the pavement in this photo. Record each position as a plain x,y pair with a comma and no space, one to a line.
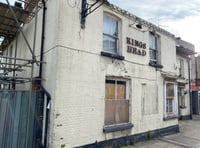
188,137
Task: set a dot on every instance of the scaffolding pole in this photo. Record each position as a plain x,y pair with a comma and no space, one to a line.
10,64
32,71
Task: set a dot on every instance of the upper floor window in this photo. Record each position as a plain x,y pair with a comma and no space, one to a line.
181,68
110,34
153,48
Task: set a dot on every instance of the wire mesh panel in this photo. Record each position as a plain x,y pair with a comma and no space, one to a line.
20,120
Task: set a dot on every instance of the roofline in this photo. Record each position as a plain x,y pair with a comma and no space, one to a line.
134,17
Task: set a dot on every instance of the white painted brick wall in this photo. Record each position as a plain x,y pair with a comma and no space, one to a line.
75,73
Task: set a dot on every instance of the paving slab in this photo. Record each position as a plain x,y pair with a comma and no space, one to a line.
155,143
189,137
182,140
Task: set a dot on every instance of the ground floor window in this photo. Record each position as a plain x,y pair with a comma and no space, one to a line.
171,103
116,101
181,97
169,106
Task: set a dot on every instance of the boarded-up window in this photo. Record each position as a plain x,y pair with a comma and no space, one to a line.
149,98
110,89
121,90
116,102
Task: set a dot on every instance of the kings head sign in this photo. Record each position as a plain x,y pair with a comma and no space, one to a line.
136,47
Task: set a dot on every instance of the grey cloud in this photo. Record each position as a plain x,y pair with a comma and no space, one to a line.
161,9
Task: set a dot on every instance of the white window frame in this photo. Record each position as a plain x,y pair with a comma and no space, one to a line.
174,101
112,36
154,50
181,91
181,68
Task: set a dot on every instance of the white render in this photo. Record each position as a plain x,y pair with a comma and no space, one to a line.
74,73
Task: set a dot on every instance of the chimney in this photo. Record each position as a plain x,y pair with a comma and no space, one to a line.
17,4
30,5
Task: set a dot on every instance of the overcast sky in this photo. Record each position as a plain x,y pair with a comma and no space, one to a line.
180,17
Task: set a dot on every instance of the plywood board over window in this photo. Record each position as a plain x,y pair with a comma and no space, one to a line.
110,89
121,90
149,98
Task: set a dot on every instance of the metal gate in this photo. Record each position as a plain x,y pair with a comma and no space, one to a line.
21,115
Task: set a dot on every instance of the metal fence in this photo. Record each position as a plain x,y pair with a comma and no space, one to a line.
21,119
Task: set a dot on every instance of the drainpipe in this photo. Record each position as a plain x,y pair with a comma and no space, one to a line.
190,97
42,38
44,145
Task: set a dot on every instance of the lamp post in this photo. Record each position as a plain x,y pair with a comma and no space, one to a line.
190,93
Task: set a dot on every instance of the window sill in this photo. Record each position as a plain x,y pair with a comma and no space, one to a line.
181,76
117,127
183,107
155,65
170,118
111,55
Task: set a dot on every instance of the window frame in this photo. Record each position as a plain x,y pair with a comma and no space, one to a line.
114,54
117,126
181,68
181,93
153,50
120,82
174,112
115,37
155,62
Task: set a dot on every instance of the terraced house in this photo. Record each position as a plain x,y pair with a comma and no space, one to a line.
108,76
185,51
